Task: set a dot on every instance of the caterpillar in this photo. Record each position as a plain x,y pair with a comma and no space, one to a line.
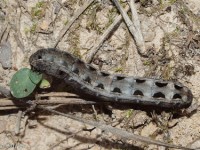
102,86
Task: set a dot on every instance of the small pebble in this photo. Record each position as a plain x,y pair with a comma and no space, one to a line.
6,55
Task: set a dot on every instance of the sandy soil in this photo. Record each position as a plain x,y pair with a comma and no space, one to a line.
171,30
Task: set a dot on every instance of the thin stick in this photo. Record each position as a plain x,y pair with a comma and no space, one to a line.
133,28
18,34
105,36
57,94
19,42
135,18
19,117
23,125
11,108
66,28
5,26
69,136
70,101
10,104
5,32
60,3
118,132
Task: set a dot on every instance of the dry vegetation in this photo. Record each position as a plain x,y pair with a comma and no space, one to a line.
169,49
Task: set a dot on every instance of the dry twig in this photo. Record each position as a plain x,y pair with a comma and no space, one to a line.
17,34
57,94
66,28
16,104
3,31
105,35
18,123
135,18
118,132
69,101
69,136
133,27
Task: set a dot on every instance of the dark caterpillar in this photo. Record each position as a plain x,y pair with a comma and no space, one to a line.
90,82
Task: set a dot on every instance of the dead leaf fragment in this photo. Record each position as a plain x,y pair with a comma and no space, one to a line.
44,25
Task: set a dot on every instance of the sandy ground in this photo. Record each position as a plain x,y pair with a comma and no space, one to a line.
171,30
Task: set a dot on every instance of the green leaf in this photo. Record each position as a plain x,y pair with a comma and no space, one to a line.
21,85
45,84
129,113
35,77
